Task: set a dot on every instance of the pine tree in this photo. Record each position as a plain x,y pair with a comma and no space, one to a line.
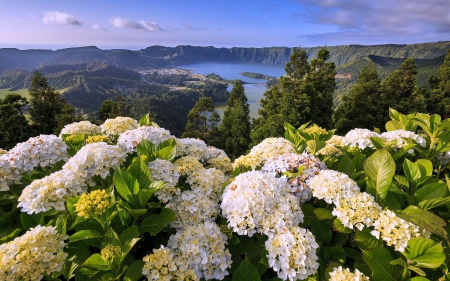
203,120
357,109
45,104
235,128
14,127
399,91
111,109
439,95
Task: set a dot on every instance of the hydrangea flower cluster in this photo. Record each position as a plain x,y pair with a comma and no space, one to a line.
221,162
165,265
118,125
359,138
332,186
400,137
78,128
109,252
43,151
256,202
94,203
248,161
130,139
28,257
193,147
395,231
50,192
202,247
358,210
187,165
163,170
271,147
97,138
332,146
8,175
292,253
296,168
95,159
339,274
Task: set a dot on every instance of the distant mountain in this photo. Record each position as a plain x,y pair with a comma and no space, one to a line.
160,56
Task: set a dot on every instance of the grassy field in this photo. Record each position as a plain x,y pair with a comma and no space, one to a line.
22,92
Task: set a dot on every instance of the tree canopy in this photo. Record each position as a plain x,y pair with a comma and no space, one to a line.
203,120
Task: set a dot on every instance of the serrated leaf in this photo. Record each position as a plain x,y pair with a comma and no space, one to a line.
155,223
378,259
425,220
346,165
95,261
433,203
323,214
431,191
339,227
167,153
84,234
145,120
139,170
246,272
129,233
380,167
335,253
147,148
367,240
134,271
424,252
127,186
315,145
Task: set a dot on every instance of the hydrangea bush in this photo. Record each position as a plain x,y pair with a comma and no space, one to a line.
128,201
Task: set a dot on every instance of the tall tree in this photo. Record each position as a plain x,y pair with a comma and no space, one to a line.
234,131
203,120
45,104
439,94
357,109
399,91
112,109
14,127
322,75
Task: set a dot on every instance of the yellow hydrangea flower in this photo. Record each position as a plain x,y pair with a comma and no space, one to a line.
94,203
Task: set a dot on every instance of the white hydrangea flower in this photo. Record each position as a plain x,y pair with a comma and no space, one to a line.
221,162
8,175
395,231
292,253
332,186
39,251
118,125
401,135
248,161
332,146
192,207
340,274
165,264
302,166
95,159
202,247
359,138
194,147
50,192
78,128
44,150
163,170
187,165
207,182
215,152
257,202
358,210
130,139
271,147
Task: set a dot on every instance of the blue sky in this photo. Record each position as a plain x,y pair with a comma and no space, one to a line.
134,25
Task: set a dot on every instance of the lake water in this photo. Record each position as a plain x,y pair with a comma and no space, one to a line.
230,70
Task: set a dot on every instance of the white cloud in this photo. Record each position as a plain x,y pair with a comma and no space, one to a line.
151,26
191,27
98,27
60,18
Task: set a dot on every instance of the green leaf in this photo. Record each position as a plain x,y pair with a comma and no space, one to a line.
61,223
366,239
134,271
28,221
394,125
129,233
346,165
127,186
70,201
424,252
379,260
139,170
246,272
11,235
315,145
112,238
84,234
339,227
147,148
419,278
431,191
425,220
145,120
335,253
433,203
322,231
380,167
323,214
155,223
167,153
96,262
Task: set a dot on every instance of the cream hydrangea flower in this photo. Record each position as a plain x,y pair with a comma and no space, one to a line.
332,146
78,128
187,165
44,150
359,138
271,147
358,210
109,252
202,247
28,257
296,168
292,253
193,147
165,265
207,182
97,138
95,159
256,202
163,170
221,162
248,162
340,274
50,192
8,175
118,125
94,203
332,186
130,139
401,137
395,231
